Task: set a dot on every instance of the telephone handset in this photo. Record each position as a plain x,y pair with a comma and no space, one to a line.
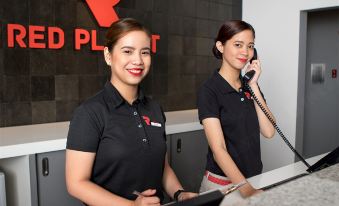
249,75
246,78
255,55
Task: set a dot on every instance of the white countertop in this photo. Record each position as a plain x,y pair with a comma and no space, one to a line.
32,139
271,177
318,188
282,173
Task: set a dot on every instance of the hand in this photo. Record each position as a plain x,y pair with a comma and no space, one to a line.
186,195
256,66
147,198
247,191
258,192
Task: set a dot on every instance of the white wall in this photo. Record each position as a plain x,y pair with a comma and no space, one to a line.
277,39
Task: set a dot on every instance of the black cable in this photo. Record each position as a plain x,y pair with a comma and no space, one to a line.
275,125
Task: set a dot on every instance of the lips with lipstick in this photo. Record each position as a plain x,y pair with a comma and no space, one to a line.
135,71
242,60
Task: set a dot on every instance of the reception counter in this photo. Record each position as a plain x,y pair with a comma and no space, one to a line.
318,188
19,144
39,138
22,146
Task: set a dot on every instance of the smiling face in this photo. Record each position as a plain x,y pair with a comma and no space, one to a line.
130,58
238,50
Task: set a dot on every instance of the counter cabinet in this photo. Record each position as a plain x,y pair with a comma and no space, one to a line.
187,156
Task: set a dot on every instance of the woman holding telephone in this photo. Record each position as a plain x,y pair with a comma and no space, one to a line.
231,119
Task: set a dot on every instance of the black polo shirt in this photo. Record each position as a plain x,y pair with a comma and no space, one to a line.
129,141
239,122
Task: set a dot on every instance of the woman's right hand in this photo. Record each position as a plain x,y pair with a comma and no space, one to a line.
147,198
247,191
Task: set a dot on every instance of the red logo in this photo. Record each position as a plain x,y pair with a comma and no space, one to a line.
248,95
103,11
147,120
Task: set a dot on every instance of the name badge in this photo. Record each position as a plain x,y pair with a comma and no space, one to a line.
155,124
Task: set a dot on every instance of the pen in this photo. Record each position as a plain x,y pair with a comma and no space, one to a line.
137,193
234,187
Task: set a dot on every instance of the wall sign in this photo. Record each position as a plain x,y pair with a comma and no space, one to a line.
34,35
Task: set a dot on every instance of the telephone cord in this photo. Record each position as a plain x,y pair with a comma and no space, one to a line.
275,125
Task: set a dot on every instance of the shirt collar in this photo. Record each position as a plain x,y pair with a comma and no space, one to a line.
222,83
116,97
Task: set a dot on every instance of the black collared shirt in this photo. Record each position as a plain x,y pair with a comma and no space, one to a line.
239,121
129,141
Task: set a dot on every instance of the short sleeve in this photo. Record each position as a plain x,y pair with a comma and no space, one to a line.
164,119
83,133
163,114
207,104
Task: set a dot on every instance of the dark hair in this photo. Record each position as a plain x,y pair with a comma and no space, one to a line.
120,28
227,31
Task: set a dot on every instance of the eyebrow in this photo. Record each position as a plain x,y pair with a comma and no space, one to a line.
243,42
129,47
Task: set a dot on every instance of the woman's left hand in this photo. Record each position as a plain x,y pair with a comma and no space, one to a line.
186,195
255,65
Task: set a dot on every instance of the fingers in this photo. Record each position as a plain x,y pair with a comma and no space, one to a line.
147,198
186,196
247,190
146,201
255,65
257,61
258,192
149,192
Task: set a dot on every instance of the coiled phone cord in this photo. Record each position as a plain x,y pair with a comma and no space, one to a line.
275,125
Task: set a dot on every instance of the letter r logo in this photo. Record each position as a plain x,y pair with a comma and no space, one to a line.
103,11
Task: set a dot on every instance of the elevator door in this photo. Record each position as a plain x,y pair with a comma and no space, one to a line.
321,115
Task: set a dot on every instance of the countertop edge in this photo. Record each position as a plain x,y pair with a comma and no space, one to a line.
13,144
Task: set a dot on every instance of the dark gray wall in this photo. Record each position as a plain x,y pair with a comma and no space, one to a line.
43,85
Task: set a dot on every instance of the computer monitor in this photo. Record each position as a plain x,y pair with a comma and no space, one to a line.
330,159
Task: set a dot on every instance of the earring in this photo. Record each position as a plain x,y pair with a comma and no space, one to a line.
109,63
